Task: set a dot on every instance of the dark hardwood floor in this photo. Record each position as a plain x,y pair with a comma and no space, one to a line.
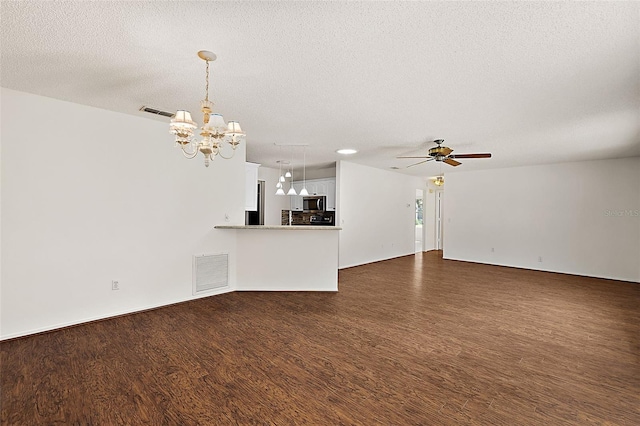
414,340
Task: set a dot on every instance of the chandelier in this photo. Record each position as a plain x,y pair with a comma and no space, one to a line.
214,131
439,181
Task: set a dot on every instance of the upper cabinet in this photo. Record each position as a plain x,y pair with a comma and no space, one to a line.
317,187
296,200
326,187
251,186
331,194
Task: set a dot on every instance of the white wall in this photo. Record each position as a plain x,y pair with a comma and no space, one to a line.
273,204
376,209
321,173
565,213
288,260
90,195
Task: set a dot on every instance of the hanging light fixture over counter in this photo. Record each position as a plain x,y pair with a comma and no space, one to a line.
214,130
289,174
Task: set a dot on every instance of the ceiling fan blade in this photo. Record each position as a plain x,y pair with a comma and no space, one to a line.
487,155
420,162
422,156
452,162
445,150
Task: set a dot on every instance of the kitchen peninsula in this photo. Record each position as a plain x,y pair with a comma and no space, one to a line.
286,258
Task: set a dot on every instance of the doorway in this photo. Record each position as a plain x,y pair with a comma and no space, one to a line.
419,221
439,220
256,217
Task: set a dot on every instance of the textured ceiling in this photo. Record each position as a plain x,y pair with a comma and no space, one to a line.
530,82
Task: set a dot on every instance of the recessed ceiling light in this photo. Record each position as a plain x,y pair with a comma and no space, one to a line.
347,151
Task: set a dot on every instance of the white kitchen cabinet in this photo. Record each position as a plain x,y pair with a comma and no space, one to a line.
318,186
321,187
296,200
251,186
326,187
311,187
331,195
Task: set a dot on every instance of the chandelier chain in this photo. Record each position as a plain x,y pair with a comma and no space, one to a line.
206,96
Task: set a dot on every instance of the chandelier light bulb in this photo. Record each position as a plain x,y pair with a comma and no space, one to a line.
304,192
292,191
280,191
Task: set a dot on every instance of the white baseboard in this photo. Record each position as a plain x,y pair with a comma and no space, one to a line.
289,289
375,260
111,315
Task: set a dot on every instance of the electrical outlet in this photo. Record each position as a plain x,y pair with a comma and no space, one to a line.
539,258
115,285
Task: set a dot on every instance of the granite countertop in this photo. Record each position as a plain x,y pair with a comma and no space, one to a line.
282,227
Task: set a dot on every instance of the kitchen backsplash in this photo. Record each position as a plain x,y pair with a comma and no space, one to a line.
303,218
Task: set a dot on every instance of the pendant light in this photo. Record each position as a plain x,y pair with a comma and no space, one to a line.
280,191
304,191
292,191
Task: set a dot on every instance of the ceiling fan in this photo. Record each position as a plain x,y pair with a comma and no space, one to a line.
443,154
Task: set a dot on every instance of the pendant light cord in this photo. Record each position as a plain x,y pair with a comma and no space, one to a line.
291,167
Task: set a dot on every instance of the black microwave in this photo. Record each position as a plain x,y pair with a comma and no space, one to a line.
314,204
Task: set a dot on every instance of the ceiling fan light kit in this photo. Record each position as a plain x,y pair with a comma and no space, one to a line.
214,130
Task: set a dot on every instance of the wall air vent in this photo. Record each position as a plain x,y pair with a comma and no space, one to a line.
210,272
156,111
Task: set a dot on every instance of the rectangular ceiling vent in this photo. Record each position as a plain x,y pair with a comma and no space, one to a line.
210,272
156,111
